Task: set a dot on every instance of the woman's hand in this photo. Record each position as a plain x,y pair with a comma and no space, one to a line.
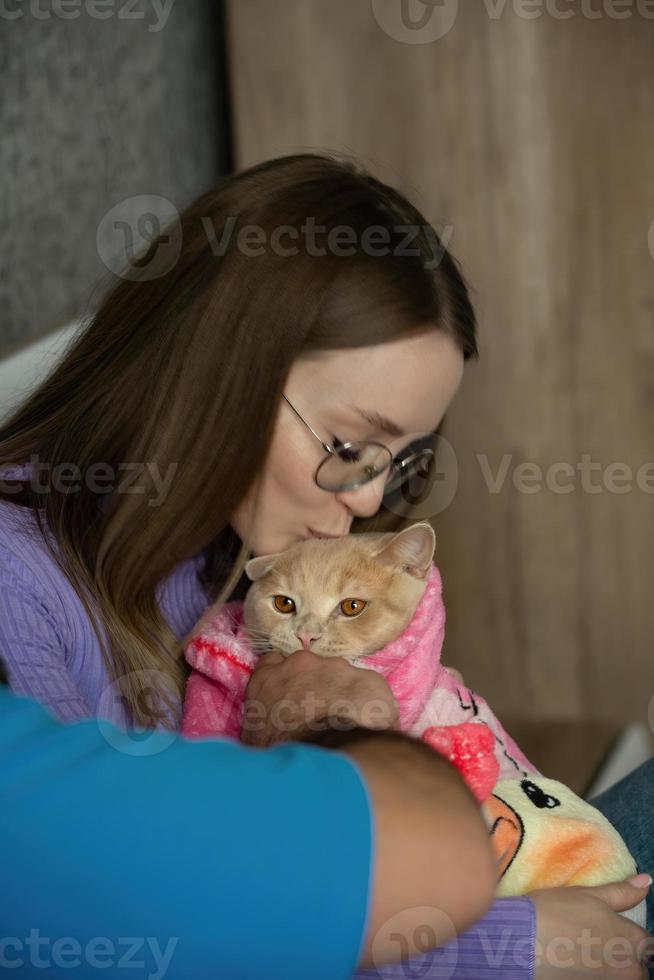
288,695
579,933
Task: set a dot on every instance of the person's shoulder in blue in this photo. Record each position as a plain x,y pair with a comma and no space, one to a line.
186,859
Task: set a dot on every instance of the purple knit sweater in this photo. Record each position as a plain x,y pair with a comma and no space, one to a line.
53,656
46,639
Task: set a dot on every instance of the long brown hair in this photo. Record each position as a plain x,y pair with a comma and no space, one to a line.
186,368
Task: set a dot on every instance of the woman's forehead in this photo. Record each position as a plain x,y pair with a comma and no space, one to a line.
409,382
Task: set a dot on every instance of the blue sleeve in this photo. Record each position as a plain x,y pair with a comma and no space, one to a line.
178,859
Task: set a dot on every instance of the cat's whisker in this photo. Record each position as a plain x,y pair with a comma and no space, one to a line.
257,634
229,615
264,638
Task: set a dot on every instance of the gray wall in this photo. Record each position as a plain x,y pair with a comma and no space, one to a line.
94,113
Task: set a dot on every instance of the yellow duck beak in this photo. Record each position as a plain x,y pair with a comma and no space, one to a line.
544,836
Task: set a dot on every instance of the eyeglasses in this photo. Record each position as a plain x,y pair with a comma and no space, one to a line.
350,465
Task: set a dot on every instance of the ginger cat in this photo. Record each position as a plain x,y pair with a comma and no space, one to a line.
338,597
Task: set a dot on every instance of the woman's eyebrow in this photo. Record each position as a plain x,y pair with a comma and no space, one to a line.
379,421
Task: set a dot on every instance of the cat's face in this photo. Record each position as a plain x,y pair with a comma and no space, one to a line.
340,597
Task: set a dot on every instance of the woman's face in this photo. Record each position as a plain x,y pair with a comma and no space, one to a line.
410,382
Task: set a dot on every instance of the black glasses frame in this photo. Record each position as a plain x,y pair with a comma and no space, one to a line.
398,465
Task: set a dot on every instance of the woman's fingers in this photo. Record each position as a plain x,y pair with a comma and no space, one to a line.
272,657
620,895
584,924
287,694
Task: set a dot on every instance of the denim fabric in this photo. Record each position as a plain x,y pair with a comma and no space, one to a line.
629,805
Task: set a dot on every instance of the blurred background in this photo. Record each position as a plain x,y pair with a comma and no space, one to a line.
523,130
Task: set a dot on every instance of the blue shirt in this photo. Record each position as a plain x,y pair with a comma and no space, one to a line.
207,858
191,859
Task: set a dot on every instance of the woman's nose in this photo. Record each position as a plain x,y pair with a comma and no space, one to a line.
366,500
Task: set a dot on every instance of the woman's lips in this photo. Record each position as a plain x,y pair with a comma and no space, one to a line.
318,534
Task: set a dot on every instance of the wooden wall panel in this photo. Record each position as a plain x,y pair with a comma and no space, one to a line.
532,141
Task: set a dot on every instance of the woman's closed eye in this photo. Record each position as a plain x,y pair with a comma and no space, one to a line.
351,455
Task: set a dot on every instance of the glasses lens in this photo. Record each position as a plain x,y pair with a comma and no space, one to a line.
416,471
352,465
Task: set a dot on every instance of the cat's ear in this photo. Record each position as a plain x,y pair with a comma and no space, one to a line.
411,549
256,568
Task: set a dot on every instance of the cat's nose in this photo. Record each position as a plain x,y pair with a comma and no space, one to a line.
305,638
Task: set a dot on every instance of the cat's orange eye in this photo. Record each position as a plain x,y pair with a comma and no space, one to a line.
283,604
352,607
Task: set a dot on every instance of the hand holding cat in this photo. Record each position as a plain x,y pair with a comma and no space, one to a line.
290,694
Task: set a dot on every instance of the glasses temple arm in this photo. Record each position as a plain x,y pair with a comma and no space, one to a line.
325,446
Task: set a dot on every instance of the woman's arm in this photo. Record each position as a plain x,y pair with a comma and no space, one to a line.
502,942
33,649
434,866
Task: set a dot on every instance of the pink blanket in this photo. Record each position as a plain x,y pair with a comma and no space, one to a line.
426,693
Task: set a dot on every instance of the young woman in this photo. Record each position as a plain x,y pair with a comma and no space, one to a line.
299,308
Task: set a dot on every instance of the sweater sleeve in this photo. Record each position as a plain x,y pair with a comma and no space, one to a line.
32,643
500,946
